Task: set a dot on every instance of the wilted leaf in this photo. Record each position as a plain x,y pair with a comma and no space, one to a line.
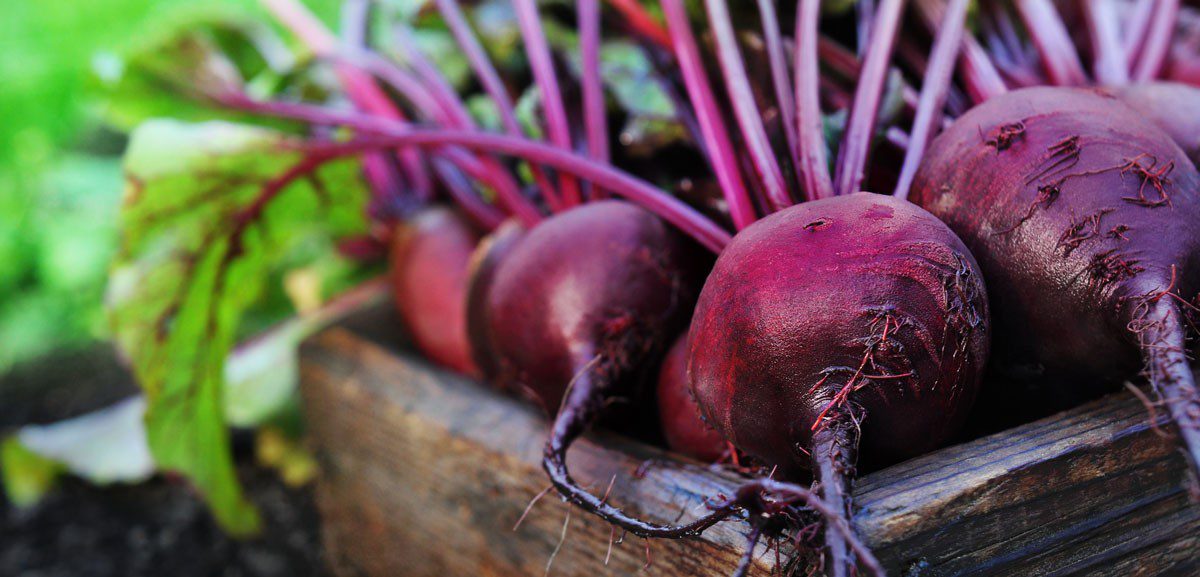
104,446
205,216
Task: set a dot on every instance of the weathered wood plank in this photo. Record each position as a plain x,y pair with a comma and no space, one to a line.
424,473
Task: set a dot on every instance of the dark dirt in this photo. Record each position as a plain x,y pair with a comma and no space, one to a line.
158,529
155,529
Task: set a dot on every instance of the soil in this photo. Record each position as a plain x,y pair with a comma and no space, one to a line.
159,529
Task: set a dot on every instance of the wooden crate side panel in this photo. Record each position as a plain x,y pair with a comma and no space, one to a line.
424,473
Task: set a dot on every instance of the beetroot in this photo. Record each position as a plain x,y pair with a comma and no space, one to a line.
1083,217
579,303
1173,107
429,256
684,429
481,271
855,324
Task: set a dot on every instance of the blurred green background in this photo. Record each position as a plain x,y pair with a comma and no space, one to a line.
60,173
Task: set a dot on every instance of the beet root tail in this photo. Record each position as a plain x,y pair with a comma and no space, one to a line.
834,450
582,404
1162,336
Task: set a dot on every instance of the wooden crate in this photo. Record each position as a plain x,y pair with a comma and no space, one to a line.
425,473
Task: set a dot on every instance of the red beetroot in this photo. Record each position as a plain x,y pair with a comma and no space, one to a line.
1083,217
1173,107
856,324
684,428
586,296
429,256
481,270
576,307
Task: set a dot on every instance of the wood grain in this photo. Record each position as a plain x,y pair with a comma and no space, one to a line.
425,473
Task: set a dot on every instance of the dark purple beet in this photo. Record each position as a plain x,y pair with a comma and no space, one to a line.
1083,218
864,290
684,429
855,325
1174,107
429,256
575,308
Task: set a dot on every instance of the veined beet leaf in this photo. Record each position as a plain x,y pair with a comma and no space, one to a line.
209,209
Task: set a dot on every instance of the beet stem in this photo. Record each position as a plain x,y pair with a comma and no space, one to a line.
459,188
1108,64
745,109
455,113
860,127
1053,42
451,113
541,62
359,86
834,449
780,78
594,110
712,123
1142,12
814,162
933,94
385,180
1153,54
389,134
980,76
485,71
864,14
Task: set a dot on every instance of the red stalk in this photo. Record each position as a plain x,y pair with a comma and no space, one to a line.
745,109
780,78
864,14
814,164
980,76
594,111
490,80
1050,37
860,127
542,65
384,133
1139,16
359,87
1109,61
933,94
640,20
1158,41
712,123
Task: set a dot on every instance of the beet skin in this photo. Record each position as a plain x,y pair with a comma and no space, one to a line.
429,257
684,429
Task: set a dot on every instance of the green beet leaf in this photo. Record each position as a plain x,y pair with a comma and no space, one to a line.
206,215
